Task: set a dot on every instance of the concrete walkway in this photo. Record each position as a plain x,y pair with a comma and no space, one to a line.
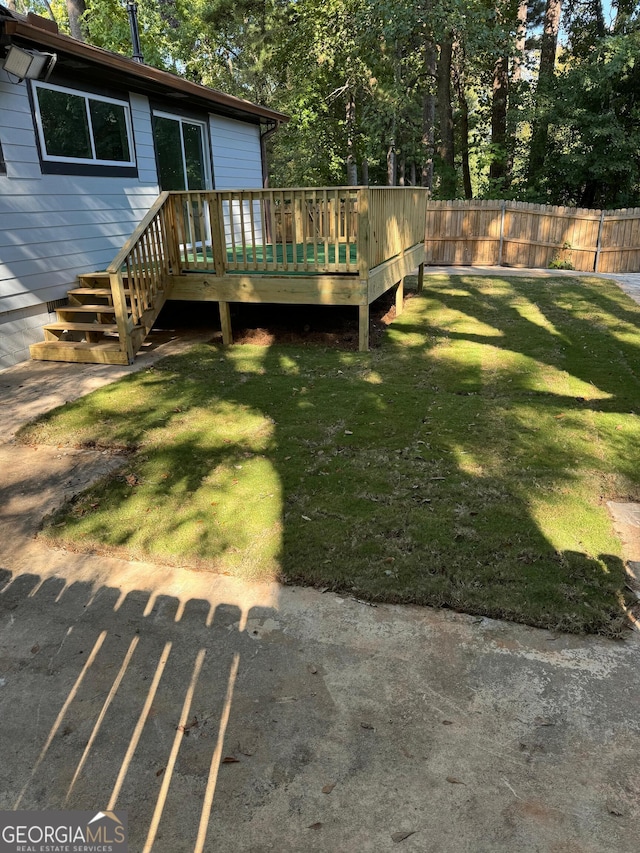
228,716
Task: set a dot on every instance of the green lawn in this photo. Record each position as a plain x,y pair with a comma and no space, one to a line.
466,463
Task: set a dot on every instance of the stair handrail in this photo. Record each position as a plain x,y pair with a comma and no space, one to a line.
116,264
133,254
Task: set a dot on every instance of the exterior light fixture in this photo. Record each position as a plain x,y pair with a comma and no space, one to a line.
28,64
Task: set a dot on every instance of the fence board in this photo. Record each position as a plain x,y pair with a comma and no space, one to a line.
522,234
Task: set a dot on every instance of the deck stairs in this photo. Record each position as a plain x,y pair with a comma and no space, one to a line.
109,314
86,329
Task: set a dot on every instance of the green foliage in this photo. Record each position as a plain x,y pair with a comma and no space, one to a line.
594,150
358,77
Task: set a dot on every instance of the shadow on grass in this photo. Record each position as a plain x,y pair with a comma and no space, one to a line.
465,464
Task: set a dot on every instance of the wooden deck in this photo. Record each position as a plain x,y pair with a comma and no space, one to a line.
328,246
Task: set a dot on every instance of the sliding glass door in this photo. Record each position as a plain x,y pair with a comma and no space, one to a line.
183,164
181,152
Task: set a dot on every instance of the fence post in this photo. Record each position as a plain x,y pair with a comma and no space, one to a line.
596,263
503,208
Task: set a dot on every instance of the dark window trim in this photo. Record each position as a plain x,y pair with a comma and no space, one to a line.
50,167
53,167
168,106
89,87
3,164
202,118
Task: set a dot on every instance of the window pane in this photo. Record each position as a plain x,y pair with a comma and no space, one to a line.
64,124
194,152
109,126
169,153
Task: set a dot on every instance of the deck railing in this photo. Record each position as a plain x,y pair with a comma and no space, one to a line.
397,218
279,230
321,230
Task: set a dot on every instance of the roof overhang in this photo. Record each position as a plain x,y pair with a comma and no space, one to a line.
75,56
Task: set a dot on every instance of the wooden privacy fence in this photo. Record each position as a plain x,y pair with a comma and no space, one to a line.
519,234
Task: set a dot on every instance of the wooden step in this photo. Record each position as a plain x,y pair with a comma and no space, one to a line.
106,352
80,327
93,291
81,295
86,309
90,291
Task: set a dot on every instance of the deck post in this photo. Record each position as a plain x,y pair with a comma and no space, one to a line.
122,315
225,323
218,239
363,266
399,297
364,236
363,328
420,277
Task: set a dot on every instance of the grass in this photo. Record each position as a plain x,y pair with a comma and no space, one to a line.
466,463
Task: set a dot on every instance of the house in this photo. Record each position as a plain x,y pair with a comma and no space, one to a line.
86,146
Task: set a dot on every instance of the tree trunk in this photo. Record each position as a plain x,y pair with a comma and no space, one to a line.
464,129
392,164
413,174
521,37
588,197
401,181
352,166
429,115
365,173
624,11
75,10
499,158
446,151
540,135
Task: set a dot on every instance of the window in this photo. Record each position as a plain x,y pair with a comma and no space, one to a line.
75,127
181,152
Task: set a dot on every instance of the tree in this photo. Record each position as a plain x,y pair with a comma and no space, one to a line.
594,147
76,10
544,89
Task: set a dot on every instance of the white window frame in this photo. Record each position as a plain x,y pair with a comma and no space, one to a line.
88,96
206,157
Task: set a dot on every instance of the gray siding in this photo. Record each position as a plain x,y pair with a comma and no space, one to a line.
236,154
53,227
18,330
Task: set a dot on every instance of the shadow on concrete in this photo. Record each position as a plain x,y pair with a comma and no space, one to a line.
130,701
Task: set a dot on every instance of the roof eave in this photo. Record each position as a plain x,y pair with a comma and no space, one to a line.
140,72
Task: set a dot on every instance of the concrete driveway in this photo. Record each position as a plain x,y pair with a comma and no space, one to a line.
225,716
